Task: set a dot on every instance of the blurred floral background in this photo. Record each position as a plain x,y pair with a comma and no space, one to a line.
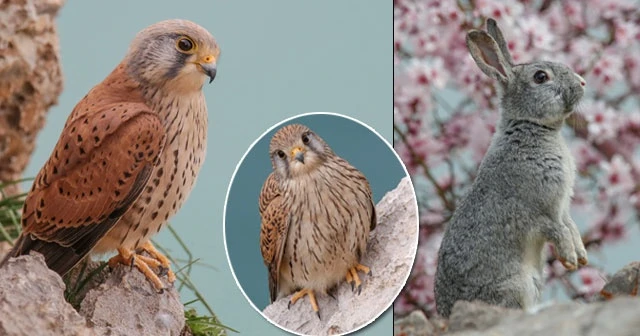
445,111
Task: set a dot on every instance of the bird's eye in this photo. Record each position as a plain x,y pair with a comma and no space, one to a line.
305,139
185,44
540,77
281,154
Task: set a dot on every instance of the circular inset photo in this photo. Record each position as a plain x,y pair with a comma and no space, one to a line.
321,224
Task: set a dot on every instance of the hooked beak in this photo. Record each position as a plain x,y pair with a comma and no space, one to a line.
298,154
208,67
209,70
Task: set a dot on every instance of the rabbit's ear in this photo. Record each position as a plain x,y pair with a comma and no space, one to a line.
496,33
486,53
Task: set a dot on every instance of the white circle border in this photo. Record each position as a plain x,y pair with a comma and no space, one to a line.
226,199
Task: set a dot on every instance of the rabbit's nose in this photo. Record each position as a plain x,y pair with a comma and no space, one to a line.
582,81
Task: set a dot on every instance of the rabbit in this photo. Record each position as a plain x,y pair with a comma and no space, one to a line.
492,248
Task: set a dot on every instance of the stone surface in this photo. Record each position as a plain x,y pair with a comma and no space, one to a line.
32,301
618,317
122,302
127,304
390,254
415,324
478,316
30,78
624,282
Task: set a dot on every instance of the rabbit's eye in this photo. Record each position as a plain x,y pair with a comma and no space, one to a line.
540,77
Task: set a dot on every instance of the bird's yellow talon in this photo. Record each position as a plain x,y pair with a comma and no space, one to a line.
354,279
144,264
312,299
164,265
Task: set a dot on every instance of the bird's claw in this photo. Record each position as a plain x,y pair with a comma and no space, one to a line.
312,299
162,271
354,279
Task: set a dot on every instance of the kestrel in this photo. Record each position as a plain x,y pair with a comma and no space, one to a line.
316,212
127,157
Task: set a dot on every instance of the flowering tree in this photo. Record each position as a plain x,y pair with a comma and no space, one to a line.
445,111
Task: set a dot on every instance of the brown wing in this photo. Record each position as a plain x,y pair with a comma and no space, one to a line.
359,177
374,216
274,230
98,168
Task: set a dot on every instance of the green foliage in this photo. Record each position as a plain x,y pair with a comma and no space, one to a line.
10,212
75,282
204,325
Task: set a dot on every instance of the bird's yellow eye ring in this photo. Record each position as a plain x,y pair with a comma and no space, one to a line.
185,45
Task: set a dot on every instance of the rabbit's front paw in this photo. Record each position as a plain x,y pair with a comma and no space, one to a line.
581,252
566,254
562,240
568,262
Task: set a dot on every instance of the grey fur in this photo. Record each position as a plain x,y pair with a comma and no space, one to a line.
492,249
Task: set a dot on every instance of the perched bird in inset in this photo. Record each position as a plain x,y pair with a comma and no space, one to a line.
127,157
316,212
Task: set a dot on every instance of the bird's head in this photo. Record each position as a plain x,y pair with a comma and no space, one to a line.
177,53
295,150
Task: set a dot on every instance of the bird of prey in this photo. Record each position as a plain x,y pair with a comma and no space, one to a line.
127,157
316,212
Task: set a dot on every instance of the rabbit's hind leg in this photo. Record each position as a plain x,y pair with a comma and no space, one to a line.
521,291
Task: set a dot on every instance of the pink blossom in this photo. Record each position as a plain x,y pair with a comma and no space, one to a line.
583,51
505,11
427,74
420,148
617,177
604,122
585,155
625,32
402,305
473,82
632,66
556,269
411,99
480,136
536,35
592,281
608,228
432,217
573,10
608,9
422,276
557,19
606,71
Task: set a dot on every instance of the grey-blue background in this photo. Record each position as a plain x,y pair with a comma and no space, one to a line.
348,139
279,59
